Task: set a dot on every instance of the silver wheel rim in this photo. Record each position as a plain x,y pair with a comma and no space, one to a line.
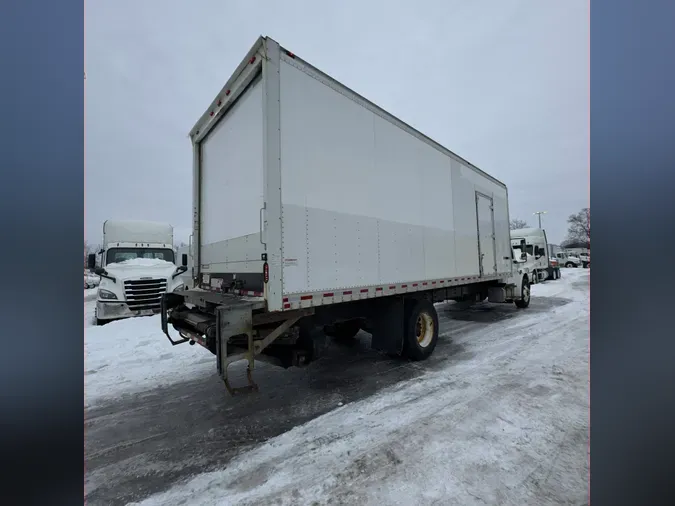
526,293
424,329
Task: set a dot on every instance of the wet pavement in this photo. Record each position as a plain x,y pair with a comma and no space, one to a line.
148,442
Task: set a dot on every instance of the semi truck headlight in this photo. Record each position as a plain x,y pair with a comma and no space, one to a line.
107,295
180,287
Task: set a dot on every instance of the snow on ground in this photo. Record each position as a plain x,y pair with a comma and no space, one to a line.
133,355
508,426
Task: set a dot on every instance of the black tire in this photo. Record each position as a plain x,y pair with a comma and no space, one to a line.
100,323
570,264
421,330
525,301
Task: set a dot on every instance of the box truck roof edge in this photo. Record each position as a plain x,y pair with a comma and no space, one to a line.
219,106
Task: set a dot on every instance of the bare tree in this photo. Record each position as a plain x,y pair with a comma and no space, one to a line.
516,224
579,229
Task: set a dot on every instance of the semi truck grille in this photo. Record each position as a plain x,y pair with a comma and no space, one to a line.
144,294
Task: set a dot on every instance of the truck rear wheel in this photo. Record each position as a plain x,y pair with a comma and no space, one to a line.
421,330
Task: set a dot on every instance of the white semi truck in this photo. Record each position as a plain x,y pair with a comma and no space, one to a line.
317,213
564,259
137,266
536,247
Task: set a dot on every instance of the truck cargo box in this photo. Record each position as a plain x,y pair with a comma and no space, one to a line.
306,193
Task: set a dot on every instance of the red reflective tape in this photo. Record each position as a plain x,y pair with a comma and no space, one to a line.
285,299
287,306
348,292
404,286
442,281
433,282
306,297
364,290
424,284
414,284
328,294
378,289
392,287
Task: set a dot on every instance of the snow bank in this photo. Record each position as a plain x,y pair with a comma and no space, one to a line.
132,355
508,424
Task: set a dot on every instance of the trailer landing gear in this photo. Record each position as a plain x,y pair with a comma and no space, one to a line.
237,320
250,388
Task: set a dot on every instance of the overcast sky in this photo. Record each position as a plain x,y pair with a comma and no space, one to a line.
504,84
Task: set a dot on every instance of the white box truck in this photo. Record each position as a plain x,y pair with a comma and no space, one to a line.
536,247
136,267
318,213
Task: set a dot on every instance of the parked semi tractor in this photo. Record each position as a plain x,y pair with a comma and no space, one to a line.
136,266
317,213
564,259
539,260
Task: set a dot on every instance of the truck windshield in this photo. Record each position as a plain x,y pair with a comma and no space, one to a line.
116,255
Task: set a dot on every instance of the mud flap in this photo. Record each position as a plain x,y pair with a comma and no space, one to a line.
497,294
503,294
388,326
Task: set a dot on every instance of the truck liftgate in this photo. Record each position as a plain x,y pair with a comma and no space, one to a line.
231,327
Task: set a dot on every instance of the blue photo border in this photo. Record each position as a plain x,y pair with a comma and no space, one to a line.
632,178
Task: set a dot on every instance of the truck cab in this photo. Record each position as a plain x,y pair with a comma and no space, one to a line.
533,240
137,265
567,260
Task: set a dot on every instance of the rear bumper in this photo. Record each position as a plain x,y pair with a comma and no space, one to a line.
116,310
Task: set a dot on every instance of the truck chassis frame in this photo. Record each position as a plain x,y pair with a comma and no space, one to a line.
237,328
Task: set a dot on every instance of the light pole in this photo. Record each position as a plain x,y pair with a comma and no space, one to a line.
539,213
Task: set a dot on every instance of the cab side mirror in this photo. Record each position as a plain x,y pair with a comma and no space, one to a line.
184,260
91,261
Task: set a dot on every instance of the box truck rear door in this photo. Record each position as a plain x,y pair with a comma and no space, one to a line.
486,234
